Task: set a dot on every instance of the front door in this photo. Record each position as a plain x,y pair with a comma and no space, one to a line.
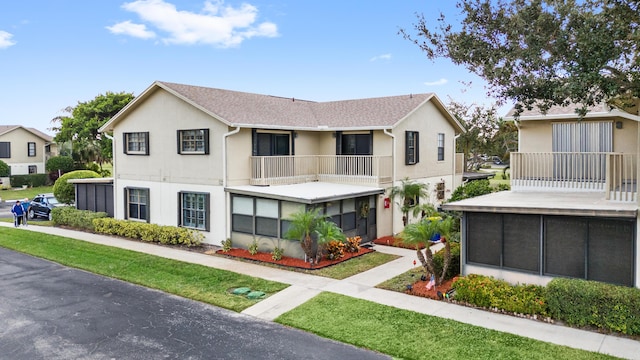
362,218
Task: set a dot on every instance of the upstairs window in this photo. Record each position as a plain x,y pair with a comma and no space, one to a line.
31,149
440,147
136,143
193,141
412,152
5,150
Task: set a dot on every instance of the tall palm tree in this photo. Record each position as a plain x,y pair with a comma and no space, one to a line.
409,194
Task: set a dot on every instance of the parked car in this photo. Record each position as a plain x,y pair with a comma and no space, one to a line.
41,205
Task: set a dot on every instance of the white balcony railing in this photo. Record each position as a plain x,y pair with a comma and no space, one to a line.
350,169
614,174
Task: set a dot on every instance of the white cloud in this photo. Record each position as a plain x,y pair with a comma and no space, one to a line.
217,24
131,29
381,57
437,82
5,40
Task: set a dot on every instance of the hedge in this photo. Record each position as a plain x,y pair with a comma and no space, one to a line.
591,303
31,180
79,219
148,232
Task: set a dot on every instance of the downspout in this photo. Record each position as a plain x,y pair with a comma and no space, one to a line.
393,173
113,174
453,176
227,197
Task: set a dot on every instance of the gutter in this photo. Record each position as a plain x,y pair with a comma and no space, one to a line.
453,174
393,176
113,175
227,196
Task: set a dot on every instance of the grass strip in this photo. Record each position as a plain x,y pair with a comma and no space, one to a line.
188,280
354,266
410,335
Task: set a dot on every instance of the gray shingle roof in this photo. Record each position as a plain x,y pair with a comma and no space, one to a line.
247,109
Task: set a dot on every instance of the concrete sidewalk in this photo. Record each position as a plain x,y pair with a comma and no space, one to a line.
362,286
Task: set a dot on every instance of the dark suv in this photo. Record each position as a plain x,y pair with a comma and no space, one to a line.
41,205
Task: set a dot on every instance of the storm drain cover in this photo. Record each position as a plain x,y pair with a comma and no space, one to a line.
255,295
242,291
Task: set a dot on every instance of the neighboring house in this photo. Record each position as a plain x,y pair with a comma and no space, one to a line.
237,165
25,150
573,208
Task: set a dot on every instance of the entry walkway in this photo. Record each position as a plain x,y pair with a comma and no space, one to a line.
362,286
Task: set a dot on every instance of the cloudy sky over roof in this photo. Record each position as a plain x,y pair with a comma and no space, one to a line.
54,54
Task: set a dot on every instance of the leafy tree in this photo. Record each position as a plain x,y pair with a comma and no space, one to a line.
64,191
471,189
81,126
543,52
409,194
481,124
5,170
62,163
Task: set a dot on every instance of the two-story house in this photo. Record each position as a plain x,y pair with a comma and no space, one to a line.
237,165
573,207
26,150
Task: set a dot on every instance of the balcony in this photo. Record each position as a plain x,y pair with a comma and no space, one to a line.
613,174
345,169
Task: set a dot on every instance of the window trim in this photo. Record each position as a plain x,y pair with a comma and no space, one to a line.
29,152
5,150
412,147
126,204
145,141
207,210
180,142
34,167
440,146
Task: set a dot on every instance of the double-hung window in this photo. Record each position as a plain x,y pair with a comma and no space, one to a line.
440,147
31,149
412,150
193,141
5,150
137,204
194,210
136,143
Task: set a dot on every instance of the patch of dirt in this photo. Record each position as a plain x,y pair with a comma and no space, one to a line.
289,261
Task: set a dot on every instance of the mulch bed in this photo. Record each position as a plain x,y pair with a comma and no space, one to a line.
419,288
394,241
289,261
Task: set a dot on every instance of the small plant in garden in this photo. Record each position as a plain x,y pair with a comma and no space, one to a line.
307,225
253,247
276,254
335,249
226,245
352,245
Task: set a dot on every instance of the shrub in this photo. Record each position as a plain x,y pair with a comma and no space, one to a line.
277,252
32,180
148,232
353,244
63,163
227,245
253,247
454,265
590,303
79,219
5,170
488,292
503,187
64,191
335,249
471,189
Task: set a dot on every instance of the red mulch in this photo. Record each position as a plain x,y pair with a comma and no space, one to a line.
394,241
420,289
289,261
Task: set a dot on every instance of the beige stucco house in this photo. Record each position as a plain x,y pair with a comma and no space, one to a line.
573,207
237,165
26,150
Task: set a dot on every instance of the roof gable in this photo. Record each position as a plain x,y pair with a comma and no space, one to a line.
241,109
5,129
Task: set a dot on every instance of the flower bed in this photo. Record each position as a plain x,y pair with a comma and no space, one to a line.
289,261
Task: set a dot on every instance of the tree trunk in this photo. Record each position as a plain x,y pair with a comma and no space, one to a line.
446,262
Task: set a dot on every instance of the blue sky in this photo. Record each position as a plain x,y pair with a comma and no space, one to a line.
55,53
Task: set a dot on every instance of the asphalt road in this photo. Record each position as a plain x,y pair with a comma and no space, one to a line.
48,311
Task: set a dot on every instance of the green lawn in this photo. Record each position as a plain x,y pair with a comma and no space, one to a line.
29,193
410,335
354,266
191,281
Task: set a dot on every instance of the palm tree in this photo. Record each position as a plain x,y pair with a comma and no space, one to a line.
421,233
409,194
302,226
326,231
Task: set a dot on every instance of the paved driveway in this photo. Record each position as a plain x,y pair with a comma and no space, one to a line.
48,311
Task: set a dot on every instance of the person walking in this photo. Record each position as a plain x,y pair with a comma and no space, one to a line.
26,205
18,213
